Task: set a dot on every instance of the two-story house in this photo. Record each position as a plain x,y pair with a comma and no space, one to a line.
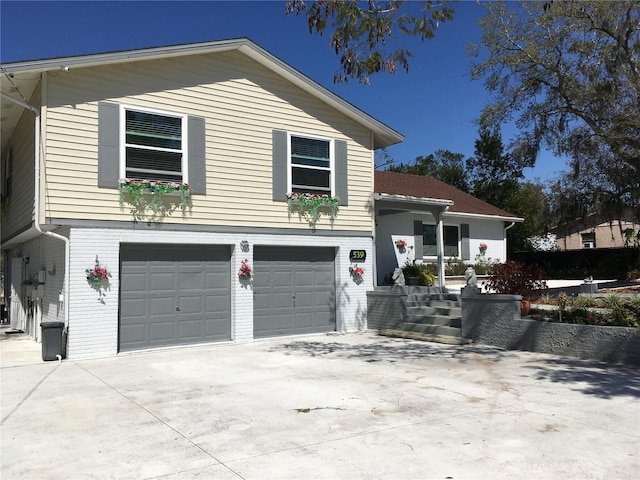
244,131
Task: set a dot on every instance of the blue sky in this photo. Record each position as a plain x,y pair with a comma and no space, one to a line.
434,106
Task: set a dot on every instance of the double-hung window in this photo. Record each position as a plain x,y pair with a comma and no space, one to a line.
311,165
429,246
154,145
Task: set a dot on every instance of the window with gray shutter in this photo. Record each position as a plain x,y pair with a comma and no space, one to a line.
154,146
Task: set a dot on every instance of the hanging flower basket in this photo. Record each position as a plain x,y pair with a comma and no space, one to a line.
245,272
356,271
309,205
98,276
401,245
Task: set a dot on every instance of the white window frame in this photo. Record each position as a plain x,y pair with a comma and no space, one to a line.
123,138
585,239
332,161
444,226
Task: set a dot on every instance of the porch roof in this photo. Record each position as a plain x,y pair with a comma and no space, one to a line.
433,191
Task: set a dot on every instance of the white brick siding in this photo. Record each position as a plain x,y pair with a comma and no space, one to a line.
93,318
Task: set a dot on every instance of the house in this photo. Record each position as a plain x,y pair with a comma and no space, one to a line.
436,221
228,131
595,231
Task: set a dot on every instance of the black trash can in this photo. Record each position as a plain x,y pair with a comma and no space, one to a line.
52,340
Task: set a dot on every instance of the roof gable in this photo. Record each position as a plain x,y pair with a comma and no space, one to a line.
24,77
421,186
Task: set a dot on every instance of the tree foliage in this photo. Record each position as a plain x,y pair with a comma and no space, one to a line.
446,166
496,178
362,31
568,72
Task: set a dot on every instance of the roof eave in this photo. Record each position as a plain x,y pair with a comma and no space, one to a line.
412,200
484,216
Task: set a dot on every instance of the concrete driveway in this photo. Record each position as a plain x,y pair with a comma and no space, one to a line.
354,406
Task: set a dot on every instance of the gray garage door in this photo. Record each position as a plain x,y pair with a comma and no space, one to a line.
174,295
294,291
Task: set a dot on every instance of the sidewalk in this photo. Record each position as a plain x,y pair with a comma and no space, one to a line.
355,406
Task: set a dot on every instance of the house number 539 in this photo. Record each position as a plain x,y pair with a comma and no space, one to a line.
357,255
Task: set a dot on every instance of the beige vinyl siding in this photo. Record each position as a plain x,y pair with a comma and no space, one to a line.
242,102
18,213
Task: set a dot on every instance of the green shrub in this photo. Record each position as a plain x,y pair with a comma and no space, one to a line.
624,314
455,267
420,270
484,265
585,301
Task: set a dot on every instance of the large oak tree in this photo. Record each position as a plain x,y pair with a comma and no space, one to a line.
568,73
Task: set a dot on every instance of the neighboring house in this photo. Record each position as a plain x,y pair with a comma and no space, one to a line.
419,209
595,231
239,126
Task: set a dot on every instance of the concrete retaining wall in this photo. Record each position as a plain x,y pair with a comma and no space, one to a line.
495,320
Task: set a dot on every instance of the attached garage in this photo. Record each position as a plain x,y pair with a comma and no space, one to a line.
174,295
294,291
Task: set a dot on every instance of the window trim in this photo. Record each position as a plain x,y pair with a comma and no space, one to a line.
332,160
123,136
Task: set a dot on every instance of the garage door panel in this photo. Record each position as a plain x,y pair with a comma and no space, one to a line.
283,321
304,279
286,287
162,281
214,280
195,279
324,278
190,281
133,282
323,298
304,299
217,305
282,278
281,300
190,328
161,306
160,332
216,327
190,304
135,306
304,320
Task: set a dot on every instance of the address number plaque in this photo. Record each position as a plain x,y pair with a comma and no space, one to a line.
357,255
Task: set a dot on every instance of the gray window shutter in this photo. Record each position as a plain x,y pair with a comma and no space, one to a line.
342,177
417,238
279,153
197,158
464,235
108,144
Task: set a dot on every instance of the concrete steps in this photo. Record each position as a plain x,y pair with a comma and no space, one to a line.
433,317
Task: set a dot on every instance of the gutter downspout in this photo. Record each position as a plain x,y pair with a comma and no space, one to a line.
505,239
36,221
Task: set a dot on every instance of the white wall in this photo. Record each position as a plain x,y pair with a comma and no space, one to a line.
391,227
93,319
46,254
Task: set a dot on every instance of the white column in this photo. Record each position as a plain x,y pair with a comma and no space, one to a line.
440,247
